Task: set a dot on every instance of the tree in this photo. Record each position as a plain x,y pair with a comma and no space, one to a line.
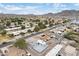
18,20
22,18
72,36
50,24
1,28
22,27
22,33
41,25
65,21
46,22
8,23
31,25
36,29
21,43
37,20
29,31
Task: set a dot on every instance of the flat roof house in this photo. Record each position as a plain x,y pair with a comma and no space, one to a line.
39,45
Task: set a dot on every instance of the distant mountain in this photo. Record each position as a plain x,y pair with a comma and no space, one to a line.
48,14
62,13
68,13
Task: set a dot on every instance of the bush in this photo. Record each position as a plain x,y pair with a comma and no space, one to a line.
3,32
11,35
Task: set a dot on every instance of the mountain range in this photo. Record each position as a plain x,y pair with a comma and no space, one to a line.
62,13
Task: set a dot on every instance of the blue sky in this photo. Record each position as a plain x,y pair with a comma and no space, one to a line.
36,8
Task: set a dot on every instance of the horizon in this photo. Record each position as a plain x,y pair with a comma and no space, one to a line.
36,8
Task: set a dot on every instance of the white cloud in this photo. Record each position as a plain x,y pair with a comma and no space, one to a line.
34,9
20,9
56,5
31,9
13,8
